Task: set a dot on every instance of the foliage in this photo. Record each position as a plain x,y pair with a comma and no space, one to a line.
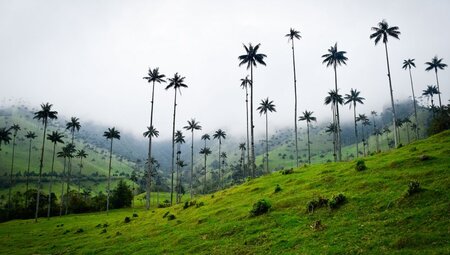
127,219
287,171
277,189
413,188
171,217
360,165
336,201
440,121
122,195
260,207
316,204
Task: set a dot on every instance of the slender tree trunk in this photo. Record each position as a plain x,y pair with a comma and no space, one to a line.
252,125
339,156
69,172
62,189
437,83
248,137
11,174
414,102
407,133
309,145
150,164
356,129
41,165
28,175
295,104
173,145
394,115
204,182
334,131
363,140
192,162
178,173
109,178
51,182
79,180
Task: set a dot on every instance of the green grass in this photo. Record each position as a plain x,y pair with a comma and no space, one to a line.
376,219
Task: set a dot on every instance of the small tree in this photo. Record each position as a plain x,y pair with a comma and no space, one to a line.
122,195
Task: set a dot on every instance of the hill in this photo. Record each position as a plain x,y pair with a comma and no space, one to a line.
378,216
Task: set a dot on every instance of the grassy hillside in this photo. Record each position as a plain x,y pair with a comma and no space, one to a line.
377,218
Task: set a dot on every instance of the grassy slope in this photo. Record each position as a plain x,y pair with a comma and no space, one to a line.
376,219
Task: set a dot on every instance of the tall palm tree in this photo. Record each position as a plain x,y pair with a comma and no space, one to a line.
363,119
205,151
430,92
335,99
382,32
73,125
436,64
192,125
264,107
242,148
153,77
335,58
179,140
70,155
294,34
5,136
219,135
110,134
180,165
407,64
376,132
350,99
55,137
386,131
81,154
245,83
177,82
308,117
44,115
150,133
331,129
399,123
66,152
366,123
407,122
251,58
15,128
223,157
31,136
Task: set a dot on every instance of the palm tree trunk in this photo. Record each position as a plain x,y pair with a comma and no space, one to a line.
309,145
173,145
62,189
220,164
248,141
178,174
414,102
28,175
192,162
51,182
267,144
333,111
204,182
337,118
394,115
11,175
79,180
407,133
69,172
109,178
150,164
356,129
251,125
41,165
437,83
363,140
295,104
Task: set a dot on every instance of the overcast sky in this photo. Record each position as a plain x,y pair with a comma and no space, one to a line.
88,58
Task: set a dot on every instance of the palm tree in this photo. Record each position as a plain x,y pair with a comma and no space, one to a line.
30,135
407,121
430,92
67,152
366,123
335,99
81,154
223,157
399,123
5,136
55,137
335,58
407,64
219,135
73,125
331,129
383,31
15,128
151,132
192,125
153,76
363,119
376,132
44,114
111,134
242,149
70,155
205,137
244,84
251,58
180,165
179,140
264,107
205,151
386,131
308,117
294,34
436,64
177,82
354,98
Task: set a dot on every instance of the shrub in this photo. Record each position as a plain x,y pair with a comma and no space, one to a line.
424,157
171,217
277,189
260,207
336,201
317,225
135,215
413,188
127,219
103,231
165,215
122,195
186,205
105,225
287,171
199,204
360,165
316,204
80,230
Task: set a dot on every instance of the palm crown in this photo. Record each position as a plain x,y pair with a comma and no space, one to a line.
408,63
67,151
220,134
55,137
206,137
205,151
45,113
179,137
5,136
177,82
383,31
333,97
151,131
252,56
293,34
353,97
112,133
435,64
430,91
73,124
155,76
245,82
266,106
308,116
193,125
242,146
81,154
334,57
30,135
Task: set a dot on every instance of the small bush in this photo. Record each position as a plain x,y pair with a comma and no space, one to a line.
260,207
186,205
98,226
287,171
200,204
413,188
118,233
316,204
80,230
165,215
171,217
336,201
135,215
424,157
105,225
360,165
127,219
317,225
277,189
103,231
65,232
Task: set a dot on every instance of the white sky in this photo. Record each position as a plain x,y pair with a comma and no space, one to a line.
88,57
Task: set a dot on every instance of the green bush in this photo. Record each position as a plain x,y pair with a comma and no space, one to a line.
287,171
171,217
165,215
121,195
336,201
135,215
260,207
277,189
413,188
127,219
200,204
316,204
360,165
